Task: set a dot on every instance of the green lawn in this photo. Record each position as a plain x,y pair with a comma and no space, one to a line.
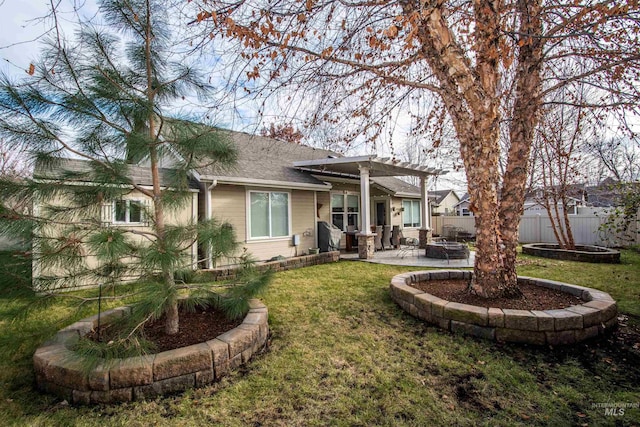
343,353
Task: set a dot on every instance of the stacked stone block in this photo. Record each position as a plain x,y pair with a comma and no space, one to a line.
59,369
230,273
582,253
553,327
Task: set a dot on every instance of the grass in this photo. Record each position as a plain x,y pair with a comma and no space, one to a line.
342,353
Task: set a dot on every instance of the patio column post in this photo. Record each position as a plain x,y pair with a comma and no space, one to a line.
366,244
425,211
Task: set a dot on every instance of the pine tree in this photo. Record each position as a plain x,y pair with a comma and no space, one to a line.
93,114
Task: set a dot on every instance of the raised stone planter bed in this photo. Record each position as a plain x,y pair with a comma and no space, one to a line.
573,324
230,273
58,369
582,253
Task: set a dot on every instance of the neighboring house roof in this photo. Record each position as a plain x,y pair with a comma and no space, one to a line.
603,195
78,170
464,199
533,201
438,196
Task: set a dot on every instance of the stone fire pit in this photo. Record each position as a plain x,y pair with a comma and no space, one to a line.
447,250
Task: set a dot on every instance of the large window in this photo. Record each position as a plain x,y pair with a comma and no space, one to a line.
411,213
269,214
127,211
345,211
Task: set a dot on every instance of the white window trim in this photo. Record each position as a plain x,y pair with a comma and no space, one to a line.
127,212
419,214
248,217
346,213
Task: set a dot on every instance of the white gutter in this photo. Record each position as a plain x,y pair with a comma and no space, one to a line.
335,161
267,183
373,162
407,195
101,184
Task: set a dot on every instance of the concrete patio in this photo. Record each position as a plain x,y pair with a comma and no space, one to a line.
408,257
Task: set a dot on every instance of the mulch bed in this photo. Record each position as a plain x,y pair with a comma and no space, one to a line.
201,325
533,298
195,327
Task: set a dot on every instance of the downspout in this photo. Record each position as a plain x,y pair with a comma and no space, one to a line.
315,219
209,216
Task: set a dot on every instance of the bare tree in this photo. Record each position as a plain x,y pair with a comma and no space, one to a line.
618,157
283,132
384,55
13,162
558,162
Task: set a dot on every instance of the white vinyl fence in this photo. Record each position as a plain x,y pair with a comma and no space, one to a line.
537,229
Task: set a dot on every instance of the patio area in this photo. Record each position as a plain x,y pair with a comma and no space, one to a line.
408,257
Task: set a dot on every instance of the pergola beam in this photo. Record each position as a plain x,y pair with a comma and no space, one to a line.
378,166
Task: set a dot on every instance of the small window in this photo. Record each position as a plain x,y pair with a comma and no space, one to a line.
269,214
345,211
127,211
411,213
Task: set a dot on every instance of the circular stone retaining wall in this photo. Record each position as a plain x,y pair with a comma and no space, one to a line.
555,327
59,371
582,253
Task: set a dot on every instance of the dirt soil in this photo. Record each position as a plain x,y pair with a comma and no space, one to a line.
614,357
533,297
199,326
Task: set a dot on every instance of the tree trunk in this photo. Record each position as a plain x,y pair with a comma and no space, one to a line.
172,322
472,98
171,312
490,278
528,83
570,242
555,227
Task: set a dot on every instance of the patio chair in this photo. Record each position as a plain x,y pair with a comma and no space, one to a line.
408,244
396,235
377,240
386,236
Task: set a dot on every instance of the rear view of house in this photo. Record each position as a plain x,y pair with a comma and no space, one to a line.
274,198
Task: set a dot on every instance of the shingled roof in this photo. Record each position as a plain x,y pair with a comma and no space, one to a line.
397,186
438,196
263,159
266,159
78,170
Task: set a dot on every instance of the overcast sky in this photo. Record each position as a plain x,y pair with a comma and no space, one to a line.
24,23
18,29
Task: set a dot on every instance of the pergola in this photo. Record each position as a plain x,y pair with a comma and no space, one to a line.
364,168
